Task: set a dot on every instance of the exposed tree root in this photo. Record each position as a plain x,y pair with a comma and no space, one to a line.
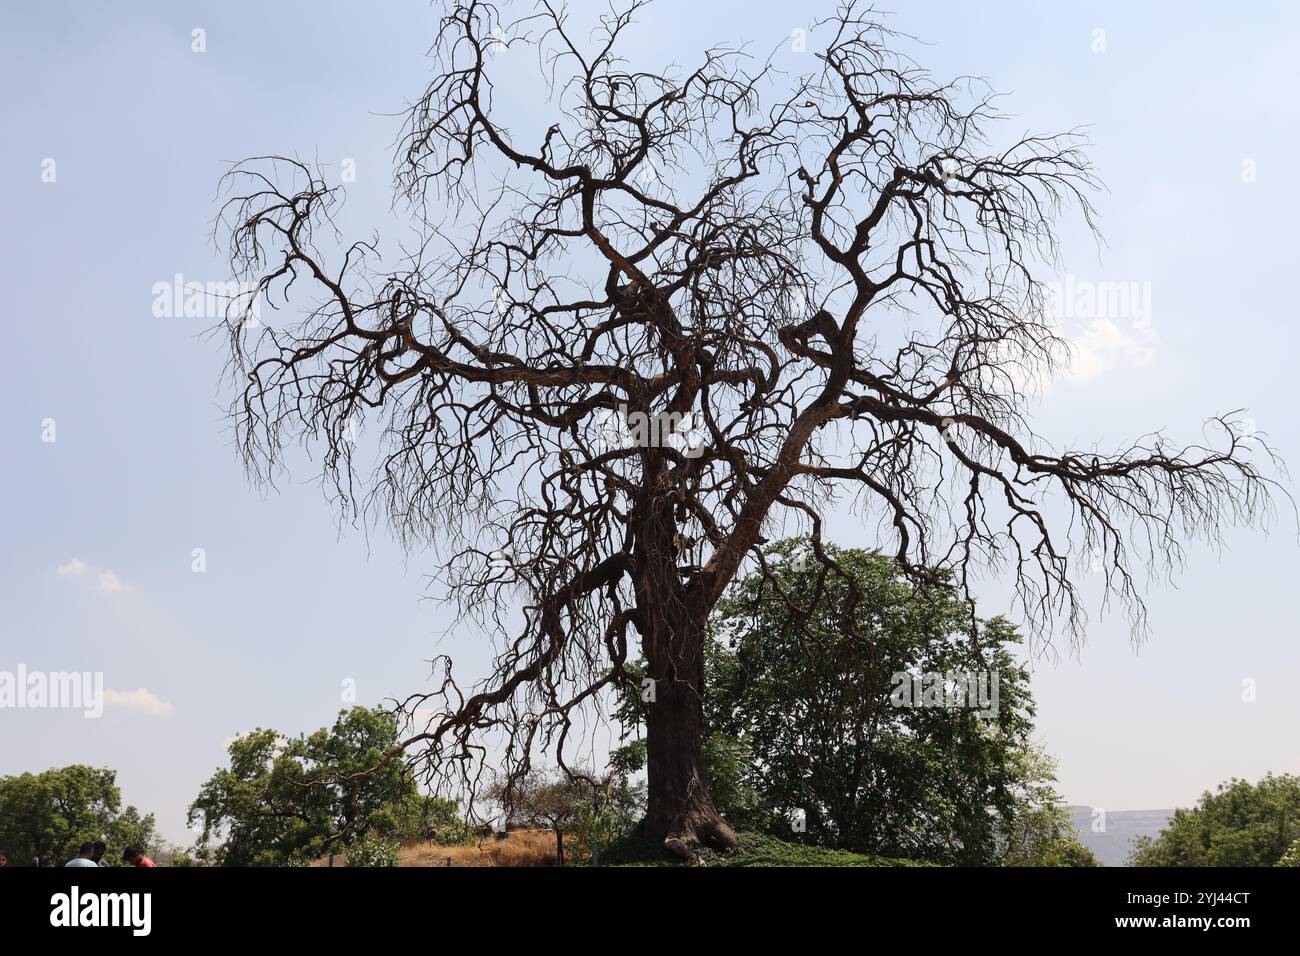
699,829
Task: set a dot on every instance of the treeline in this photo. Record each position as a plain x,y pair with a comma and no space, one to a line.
1239,824
45,817
809,739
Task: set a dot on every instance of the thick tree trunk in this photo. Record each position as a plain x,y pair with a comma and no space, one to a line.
679,811
671,617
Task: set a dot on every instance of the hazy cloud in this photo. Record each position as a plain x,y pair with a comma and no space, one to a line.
1103,346
105,580
139,701
110,582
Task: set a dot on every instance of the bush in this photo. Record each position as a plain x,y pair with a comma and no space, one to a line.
431,819
371,850
599,823
755,849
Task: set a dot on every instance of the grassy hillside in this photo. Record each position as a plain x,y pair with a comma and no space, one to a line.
537,848
756,849
518,848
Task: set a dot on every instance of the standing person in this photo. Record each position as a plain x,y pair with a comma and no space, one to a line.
136,858
98,853
83,856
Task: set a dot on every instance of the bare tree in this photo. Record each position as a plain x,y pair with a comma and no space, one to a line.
550,800
703,304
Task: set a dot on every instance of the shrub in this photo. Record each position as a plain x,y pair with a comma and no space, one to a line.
371,850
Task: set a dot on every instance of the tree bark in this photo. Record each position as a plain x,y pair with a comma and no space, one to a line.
679,809
671,618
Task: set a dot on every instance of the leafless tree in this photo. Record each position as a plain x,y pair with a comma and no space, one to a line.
796,289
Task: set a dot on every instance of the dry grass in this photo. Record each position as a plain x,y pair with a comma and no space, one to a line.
518,848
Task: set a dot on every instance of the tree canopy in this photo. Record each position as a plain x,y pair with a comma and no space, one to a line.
50,814
290,800
1239,824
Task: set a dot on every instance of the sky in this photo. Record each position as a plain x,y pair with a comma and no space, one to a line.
116,129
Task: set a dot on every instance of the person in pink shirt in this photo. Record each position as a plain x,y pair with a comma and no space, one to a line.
136,858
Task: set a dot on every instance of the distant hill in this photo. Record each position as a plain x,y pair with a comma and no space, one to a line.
1122,827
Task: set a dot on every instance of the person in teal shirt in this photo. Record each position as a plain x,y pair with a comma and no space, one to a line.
83,856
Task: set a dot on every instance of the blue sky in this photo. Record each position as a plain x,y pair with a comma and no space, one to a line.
1192,115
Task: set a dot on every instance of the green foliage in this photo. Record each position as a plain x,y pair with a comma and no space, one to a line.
1039,832
370,850
628,759
1291,857
1240,824
800,674
586,812
608,815
176,856
434,819
728,771
287,801
804,675
129,828
50,814
756,849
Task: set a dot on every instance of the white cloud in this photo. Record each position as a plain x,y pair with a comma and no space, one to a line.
140,701
1104,347
421,717
106,581
110,583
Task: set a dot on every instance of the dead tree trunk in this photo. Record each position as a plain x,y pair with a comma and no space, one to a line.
679,810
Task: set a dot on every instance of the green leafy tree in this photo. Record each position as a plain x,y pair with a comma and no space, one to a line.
1039,832
286,801
806,670
49,814
1240,824
129,828
806,737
